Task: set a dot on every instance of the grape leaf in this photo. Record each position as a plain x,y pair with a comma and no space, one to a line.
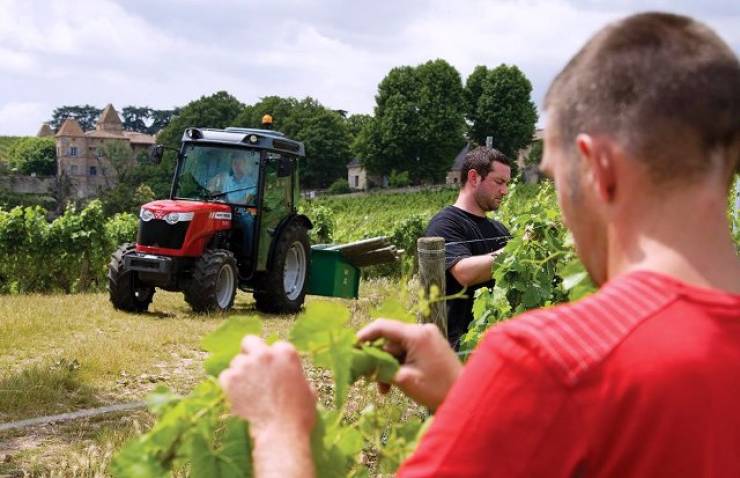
225,342
374,363
235,456
203,461
393,309
312,327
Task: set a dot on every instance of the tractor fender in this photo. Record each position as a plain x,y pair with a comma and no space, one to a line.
301,219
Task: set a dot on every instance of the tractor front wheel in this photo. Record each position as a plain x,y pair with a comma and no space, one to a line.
284,288
213,286
125,290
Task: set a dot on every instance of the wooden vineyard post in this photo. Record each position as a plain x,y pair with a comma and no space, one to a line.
431,254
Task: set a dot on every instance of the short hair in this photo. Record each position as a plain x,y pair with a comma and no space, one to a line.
480,159
664,86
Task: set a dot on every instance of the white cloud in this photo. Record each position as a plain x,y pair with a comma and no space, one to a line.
166,53
20,119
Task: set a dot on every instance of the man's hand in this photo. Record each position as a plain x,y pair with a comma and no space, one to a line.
266,386
429,366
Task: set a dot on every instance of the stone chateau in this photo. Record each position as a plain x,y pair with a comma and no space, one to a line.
81,161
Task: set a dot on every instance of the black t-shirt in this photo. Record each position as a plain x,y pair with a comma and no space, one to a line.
465,235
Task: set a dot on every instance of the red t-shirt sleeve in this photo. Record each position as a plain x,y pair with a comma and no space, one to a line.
506,416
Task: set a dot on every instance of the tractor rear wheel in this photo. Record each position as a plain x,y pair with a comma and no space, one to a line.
125,290
284,288
213,286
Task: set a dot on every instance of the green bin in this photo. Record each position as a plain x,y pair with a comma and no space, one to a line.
331,275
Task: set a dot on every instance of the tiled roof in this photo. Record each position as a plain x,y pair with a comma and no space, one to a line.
109,120
355,163
70,127
45,130
96,133
139,138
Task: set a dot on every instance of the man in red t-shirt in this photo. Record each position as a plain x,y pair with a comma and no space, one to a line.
640,379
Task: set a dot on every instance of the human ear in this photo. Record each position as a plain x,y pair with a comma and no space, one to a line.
598,155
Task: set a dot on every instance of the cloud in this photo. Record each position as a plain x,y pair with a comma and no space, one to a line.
166,53
20,119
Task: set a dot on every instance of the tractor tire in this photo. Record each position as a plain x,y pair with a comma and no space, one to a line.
124,289
284,287
213,285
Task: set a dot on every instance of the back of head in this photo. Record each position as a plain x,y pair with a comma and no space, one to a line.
663,86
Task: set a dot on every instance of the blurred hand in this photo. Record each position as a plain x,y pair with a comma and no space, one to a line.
429,366
266,386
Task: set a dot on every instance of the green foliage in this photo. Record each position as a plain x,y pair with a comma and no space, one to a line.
198,434
6,142
68,254
499,104
324,132
535,154
418,123
33,155
538,267
215,111
340,186
399,179
323,223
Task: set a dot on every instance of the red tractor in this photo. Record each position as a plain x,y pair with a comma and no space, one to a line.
230,222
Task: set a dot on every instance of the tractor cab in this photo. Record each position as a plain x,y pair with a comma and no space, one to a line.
231,221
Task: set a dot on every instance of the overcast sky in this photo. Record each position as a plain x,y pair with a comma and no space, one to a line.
165,53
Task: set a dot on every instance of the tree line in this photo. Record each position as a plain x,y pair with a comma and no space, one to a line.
423,116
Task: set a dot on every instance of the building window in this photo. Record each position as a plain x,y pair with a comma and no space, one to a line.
73,169
73,150
357,181
93,171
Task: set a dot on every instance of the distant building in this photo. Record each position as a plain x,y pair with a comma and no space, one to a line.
453,175
360,180
81,155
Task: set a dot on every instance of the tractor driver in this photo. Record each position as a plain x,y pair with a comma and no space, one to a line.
240,185
240,189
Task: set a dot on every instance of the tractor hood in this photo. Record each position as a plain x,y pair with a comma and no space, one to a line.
180,228
182,210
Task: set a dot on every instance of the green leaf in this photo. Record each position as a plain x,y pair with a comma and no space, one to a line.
393,309
161,400
203,462
225,342
235,456
318,319
372,362
136,461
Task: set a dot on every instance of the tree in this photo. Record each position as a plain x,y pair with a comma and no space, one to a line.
355,123
324,133
500,105
33,155
218,110
418,123
86,116
135,118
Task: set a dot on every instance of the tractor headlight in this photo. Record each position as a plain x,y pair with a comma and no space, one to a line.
146,215
175,217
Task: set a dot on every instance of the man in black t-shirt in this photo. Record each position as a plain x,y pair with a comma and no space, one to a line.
471,239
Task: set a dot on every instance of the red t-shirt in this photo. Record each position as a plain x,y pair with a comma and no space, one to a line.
641,379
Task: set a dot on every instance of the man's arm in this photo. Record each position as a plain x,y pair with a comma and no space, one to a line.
474,269
266,386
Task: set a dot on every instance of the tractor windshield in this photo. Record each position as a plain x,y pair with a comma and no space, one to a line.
217,173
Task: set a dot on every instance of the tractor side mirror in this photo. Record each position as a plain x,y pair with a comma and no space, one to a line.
156,153
285,167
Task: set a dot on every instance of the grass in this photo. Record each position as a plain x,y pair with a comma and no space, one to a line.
61,353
